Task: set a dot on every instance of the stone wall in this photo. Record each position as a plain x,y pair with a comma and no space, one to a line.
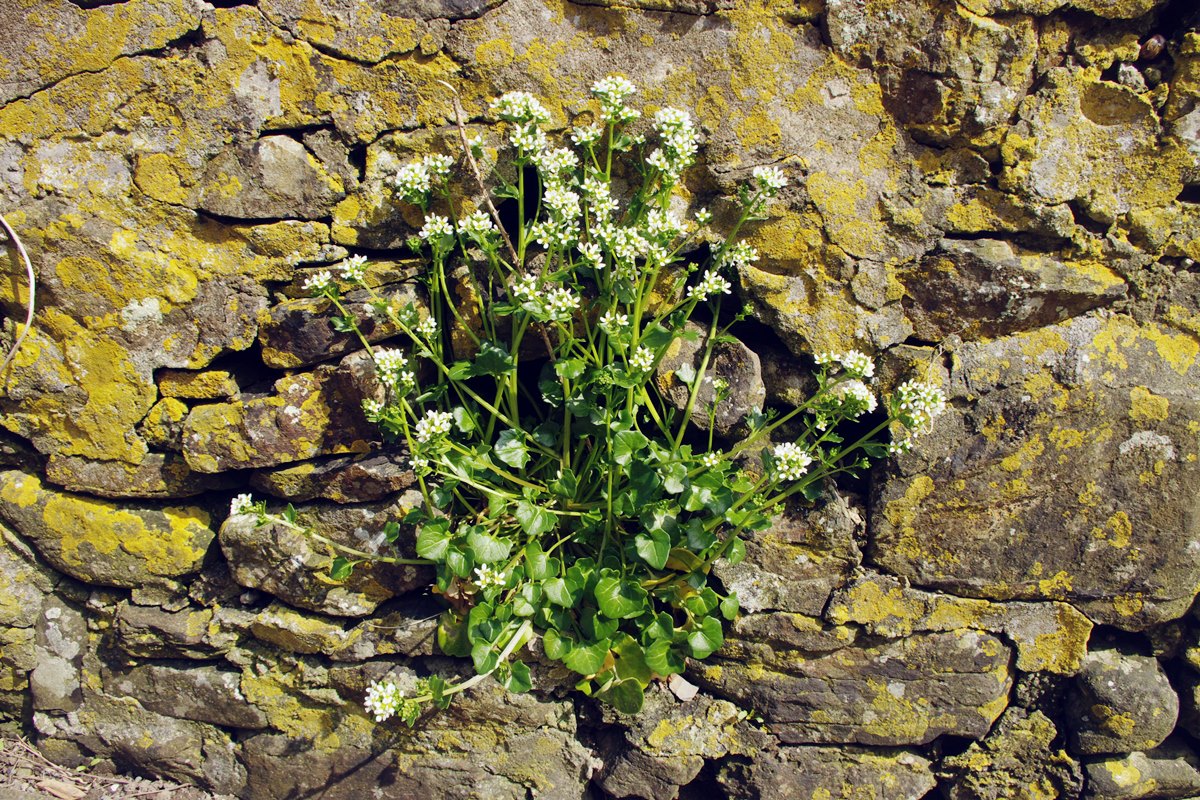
1003,193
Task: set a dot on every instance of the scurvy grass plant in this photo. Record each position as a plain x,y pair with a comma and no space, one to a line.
565,499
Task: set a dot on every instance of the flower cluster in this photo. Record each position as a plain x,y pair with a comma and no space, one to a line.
854,397
521,108
769,179
855,363
487,576
916,403
392,367
712,283
242,504
791,461
642,358
434,425
319,283
384,700
415,180
354,269
612,92
679,142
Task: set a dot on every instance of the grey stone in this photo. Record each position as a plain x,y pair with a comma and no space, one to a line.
161,475
1120,704
1016,759
290,565
987,288
1069,474
273,177
871,774
346,479
1169,771
188,691
150,632
797,563
730,361
904,692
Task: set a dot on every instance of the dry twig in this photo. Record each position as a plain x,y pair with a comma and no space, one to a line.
32,289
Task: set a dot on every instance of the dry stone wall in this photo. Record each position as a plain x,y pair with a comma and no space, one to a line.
1003,194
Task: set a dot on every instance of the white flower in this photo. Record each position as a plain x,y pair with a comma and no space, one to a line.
412,181
354,268
242,504
770,179
390,361
372,409
416,462
857,363
485,576
703,217
740,255
663,224
528,137
586,136
520,107
642,359
916,403
383,700
478,224
561,303
319,282
435,227
427,327
613,322
526,289
711,459
612,92
711,284
592,253
552,162
561,201
791,461
438,166
434,425
855,397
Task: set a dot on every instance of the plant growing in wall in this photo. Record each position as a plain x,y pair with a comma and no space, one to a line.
564,496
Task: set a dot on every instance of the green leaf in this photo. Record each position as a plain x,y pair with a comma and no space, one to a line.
517,678
706,639
485,657
392,531
525,603
625,444
736,552
289,514
674,477
683,560
653,547
341,568
812,491
587,660
555,644
492,360
459,562
661,627
537,563
437,690
620,598
488,549
729,607
702,602
534,520
452,635
566,484
631,660
662,657
699,539
569,368
510,448
433,539
562,592
626,696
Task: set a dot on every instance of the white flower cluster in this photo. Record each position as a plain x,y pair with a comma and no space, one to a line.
612,92
711,459
560,303
319,282
521,108
242,504
477,224
436,226
769,179
372,409
600,199
434,425
711,284
916,403
854,397
626,245
427,327
556,161
384,699
486,576
392,367
592,254
855,362
791,461
679,142
414,180
613,322
642,358
354,268
663,225
586,135
703,217
738,256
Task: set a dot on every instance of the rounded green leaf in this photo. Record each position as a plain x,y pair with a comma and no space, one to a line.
706,639
626,696
653,547
587,660
620,598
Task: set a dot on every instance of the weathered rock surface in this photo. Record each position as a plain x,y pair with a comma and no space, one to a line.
1121,703
295,423
872,774
1016,759
1071,476
1172,770
164,475
101,543
187,691
731,362
905,692
290,564
346,479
